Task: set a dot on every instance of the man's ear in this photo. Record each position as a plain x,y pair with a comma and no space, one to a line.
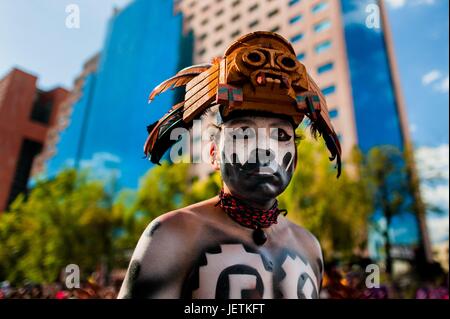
214,156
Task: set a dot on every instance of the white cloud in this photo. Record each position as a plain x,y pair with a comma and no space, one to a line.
425,2
396,3
102,165
435,77
438,228
433,168
433,162
442,86
431,77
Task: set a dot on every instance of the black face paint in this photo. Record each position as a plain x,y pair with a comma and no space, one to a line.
153,228
133,274
262,172
260,177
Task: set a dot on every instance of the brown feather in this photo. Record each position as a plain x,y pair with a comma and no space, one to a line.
181,78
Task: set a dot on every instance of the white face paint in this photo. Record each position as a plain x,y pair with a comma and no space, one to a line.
257,155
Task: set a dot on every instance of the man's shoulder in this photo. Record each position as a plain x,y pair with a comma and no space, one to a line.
182,221
304,236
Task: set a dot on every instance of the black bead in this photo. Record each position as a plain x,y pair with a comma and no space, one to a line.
259,236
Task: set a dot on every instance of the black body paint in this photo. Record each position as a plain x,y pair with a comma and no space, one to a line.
153,228
133,274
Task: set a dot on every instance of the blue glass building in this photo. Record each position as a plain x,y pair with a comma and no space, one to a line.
144,46
376,106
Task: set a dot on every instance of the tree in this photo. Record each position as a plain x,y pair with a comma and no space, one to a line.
168,187
62,221
386,173
334,210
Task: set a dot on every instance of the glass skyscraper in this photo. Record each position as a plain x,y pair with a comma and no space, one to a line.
106,129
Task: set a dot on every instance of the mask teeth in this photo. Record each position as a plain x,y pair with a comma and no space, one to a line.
284,82
261,79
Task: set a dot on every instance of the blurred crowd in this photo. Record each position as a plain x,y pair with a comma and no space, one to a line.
87,290
348,281
341,281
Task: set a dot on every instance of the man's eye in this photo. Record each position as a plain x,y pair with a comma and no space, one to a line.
281,135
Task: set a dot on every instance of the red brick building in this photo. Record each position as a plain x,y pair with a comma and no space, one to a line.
26,114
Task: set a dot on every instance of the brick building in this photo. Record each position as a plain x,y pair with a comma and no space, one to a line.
26,113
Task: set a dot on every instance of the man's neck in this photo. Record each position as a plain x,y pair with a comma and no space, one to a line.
263,204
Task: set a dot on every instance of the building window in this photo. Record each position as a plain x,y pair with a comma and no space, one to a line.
189,18
295,19
202,52
235,3
192,4
235,33
325,68
203,36
219,27
301,56
272,13
323,46
297,38
253,24
253,7
42,109
334,113
205,21
235,17
205,8
329,90
319,7
218,43
219,13
322,26
292,2
275,29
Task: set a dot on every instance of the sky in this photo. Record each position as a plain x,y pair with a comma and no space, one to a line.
420,34
34,37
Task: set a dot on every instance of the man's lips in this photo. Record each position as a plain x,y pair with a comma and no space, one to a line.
262,173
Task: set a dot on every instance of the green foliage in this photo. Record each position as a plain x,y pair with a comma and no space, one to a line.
334,210
63,221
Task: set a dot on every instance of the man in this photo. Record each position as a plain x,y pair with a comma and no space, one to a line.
237,244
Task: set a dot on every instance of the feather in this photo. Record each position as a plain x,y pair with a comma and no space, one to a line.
181,78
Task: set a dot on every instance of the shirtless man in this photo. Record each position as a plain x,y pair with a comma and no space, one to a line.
237,244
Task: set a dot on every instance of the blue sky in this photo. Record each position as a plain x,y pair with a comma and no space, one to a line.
34,37
420,33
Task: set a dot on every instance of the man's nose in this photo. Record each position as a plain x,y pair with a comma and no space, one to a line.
264,156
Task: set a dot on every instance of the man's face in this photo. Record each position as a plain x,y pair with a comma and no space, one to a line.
257,156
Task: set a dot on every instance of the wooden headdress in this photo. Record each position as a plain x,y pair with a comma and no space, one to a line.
258,72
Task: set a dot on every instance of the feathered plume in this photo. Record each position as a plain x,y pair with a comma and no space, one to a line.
181,78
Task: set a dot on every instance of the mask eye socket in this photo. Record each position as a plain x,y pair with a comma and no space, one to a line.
287,63
254,58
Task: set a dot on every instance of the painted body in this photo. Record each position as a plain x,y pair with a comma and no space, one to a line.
200,252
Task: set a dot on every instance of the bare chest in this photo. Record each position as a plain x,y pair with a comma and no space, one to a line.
234,270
